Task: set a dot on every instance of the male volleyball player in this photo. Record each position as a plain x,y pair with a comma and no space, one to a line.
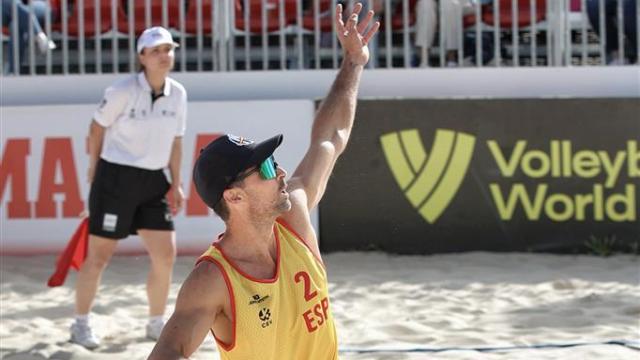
261,288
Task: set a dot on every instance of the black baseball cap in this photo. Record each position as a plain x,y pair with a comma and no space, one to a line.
223,159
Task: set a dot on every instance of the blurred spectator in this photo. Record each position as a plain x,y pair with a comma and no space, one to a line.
426,20
42,41
451,13
630,26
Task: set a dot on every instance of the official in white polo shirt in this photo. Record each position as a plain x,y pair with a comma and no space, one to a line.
136,133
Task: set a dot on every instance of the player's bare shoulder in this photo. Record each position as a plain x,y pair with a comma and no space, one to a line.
205,286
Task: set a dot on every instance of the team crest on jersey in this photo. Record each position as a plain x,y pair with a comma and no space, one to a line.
239,140
265,317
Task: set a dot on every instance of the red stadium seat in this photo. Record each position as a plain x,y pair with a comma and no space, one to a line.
272,9
88,15
524,13
140,13
191,19
325,18
397,19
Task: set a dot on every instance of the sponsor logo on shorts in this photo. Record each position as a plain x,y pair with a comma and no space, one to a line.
109,222
429,182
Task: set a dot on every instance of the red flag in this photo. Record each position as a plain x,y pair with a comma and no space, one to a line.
73,255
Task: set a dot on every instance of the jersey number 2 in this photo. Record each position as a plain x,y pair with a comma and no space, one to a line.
304,276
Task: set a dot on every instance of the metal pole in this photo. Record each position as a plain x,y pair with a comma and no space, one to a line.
515,55
460,27
620,33
14,35
215,34
568,55
132,45
496,31
583,30
603,32
265,38
228,21
387,34
443,20
478,16
199,33
281,37
147,14
183,43
638,32
247,39
97,19
299,39
550,26
114,37
165,13
81,52
31,37
316,32
534,33
65,38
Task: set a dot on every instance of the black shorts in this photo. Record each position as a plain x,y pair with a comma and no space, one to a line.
124,199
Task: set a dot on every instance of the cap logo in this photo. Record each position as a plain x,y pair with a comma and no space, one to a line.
239,140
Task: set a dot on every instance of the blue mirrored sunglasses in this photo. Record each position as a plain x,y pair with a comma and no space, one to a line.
268,170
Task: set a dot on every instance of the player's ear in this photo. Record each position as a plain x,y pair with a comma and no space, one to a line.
233,195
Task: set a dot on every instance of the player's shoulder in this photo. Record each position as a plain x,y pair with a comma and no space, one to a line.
176,86
207,271
123,86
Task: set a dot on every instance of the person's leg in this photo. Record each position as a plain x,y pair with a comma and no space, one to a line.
450,12
161,246
426,21
100,251
19,22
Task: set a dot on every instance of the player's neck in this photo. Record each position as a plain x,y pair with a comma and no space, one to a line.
250,238
156,81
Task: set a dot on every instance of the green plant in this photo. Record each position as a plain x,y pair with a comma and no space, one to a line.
601,246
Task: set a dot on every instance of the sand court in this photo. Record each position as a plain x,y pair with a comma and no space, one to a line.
386,307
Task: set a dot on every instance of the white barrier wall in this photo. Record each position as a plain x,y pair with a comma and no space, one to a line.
44,161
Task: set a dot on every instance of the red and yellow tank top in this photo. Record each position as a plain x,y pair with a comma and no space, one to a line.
284,318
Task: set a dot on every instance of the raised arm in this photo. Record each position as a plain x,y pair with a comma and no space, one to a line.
334,120
332,124
200,300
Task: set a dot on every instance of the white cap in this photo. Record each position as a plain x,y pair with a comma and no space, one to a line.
155,36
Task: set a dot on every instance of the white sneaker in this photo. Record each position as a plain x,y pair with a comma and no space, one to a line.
154,329
82,334
44,43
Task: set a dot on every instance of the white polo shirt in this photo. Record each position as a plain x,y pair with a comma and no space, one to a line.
140,132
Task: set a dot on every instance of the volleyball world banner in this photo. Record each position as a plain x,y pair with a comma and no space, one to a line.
423,176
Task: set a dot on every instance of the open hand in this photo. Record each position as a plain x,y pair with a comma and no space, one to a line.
352,35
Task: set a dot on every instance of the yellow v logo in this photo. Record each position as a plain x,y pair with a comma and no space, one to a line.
429,182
